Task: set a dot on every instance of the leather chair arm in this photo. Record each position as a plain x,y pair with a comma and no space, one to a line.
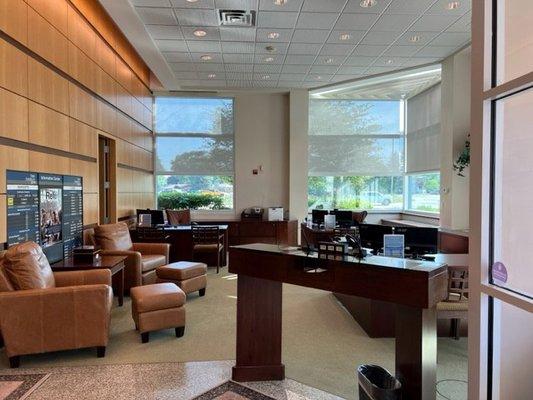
80,278
42,320
153,248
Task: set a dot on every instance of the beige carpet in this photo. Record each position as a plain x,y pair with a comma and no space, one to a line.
322,344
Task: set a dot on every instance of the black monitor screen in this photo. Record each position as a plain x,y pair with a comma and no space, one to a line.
343,217
318,216
72,213
22,207
157,216
419,240
51,215
372,235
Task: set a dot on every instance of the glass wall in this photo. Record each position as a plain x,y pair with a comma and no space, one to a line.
194,148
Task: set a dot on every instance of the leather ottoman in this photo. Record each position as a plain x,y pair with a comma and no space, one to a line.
158,306
189,276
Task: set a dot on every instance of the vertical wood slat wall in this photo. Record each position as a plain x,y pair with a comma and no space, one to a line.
67,75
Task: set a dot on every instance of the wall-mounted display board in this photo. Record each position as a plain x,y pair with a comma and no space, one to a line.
47,209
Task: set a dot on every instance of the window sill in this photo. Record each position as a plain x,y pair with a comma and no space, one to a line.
428,215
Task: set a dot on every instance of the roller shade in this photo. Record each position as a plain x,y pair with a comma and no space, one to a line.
423,131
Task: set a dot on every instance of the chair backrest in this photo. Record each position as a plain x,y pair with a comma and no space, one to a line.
359,216
205,234
25,266
179,217
113,236
457,284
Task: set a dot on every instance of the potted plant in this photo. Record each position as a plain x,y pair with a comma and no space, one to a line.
463,160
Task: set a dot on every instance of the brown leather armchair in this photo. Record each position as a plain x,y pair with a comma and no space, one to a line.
46,311
143,258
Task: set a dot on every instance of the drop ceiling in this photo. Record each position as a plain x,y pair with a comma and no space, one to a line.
316,42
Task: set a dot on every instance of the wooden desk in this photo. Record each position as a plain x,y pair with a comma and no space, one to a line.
113,263
415,286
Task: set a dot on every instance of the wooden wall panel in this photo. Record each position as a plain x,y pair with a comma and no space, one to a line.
82,105
43,162
105,86
90,208
13,69
81,34
47,41
43,121
106,118
11,158
54,11
3,223
47,87
14,19
81,67
89,171
105,57
13,116
83,139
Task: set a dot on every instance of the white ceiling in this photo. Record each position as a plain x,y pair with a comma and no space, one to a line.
308,52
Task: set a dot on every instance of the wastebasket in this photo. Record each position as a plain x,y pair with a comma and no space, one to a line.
376,383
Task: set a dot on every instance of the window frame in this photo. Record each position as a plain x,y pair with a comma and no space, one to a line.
194,135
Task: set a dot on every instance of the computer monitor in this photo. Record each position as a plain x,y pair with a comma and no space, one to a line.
343,217
372,235
318,216
157,216
419,240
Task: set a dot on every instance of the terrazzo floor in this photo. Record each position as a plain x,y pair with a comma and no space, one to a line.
161,381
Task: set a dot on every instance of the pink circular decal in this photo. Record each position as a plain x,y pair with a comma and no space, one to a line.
499,272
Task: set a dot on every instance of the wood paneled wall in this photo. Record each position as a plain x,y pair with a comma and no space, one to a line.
67,75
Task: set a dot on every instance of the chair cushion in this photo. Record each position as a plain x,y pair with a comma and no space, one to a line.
152,261
179,271
158,296
113,236
206,248
27,267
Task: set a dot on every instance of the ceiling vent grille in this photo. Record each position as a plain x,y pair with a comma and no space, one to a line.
239,18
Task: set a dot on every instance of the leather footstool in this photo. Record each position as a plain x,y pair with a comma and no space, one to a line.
189,276
158,306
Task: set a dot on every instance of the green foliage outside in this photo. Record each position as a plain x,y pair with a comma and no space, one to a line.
194,201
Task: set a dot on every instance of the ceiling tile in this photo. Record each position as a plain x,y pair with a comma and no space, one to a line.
237,34
318,78
292,5
343,78
271,83
323,69
197,46
330,60
239,58
309,20
378,70
279,48
402,51
182,67
215,58
299,59
239,67
369,50
210,67
211,83
357,22
394,22
324,6
451,39
310,35
351,70
239,76
354,6
171,45
236,4
355,37
207,74
156,16
295,69
196,17
304,48
284,35
441,8
269,58
436,51
292,77
265,76
433,23
186,75
336,49
237,47
151,3
270,68
196,4
420,61
379,38
409,6
359,61
464,24
423,38
164,31
392,62
177,57
212,33
268,19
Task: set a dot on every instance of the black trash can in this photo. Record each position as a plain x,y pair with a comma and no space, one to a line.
376,383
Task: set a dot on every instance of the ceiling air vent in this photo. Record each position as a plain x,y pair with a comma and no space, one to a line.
236,18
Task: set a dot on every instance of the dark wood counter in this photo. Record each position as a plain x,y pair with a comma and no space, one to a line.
414,286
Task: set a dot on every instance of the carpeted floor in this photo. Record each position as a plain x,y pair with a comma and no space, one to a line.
322,344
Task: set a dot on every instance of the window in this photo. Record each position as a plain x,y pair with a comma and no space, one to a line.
423,192
194,152
356,150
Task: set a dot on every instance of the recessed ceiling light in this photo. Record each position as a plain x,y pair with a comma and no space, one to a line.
367,3
192,1
452,5
318,77
273,35
280,2
199,33
389,61
211,76
206,57
345,36
269,59
414,38
266,76
329,60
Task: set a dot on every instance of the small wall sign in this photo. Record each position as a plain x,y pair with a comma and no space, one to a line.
499,273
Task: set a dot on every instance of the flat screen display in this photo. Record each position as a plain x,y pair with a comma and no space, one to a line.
22,207
51,215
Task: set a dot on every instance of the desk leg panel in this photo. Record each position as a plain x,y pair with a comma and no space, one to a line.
416,351
258,330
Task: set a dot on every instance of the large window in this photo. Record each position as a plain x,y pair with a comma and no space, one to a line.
423,192
194,148
356,154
